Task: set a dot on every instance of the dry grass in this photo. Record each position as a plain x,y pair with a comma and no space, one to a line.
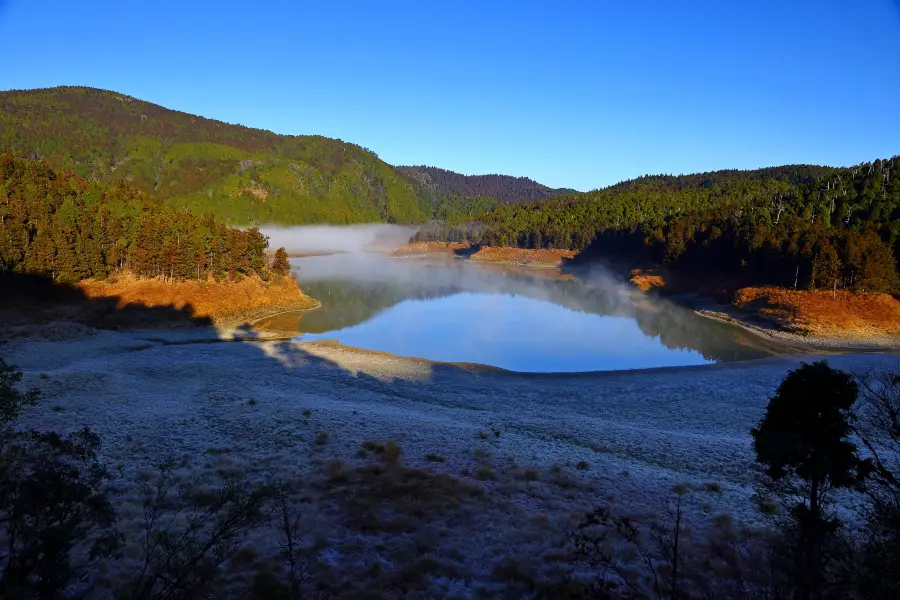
843,316
221,302
522,255
646,280
256,192
396,498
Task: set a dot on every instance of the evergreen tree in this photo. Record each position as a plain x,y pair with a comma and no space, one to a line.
280,263
803,444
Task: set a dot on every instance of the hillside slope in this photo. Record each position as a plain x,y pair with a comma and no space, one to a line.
243,175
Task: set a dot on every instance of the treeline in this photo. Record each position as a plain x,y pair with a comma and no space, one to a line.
791,226
64,226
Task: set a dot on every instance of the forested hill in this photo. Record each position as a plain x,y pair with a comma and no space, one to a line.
243,175
796,225
503,188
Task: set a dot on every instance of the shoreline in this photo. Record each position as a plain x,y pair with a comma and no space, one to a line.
254,316
802,342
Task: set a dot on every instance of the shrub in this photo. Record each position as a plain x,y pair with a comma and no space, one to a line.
52,499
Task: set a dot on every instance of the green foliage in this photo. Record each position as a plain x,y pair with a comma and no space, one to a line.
280,263
62,225
500,188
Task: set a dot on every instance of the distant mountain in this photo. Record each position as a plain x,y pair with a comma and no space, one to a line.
791,174
238,173
503,188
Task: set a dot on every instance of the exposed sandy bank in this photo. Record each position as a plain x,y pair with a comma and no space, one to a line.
523,257
425,248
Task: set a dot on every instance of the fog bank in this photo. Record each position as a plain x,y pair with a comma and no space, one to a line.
324,239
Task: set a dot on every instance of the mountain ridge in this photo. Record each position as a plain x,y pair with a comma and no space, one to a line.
505,188
242,174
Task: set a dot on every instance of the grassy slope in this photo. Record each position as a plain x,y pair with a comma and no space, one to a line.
825,314
241,174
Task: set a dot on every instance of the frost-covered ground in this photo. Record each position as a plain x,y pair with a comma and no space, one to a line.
526,454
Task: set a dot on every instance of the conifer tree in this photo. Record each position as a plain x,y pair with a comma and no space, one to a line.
280,263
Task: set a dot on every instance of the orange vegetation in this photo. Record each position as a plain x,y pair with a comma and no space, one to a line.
522,255
647,280
430,248
222,302
844,315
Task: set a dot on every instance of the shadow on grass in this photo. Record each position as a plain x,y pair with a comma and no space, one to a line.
35,299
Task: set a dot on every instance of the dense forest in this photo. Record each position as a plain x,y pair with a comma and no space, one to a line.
242,175
503,188
799,225
63,225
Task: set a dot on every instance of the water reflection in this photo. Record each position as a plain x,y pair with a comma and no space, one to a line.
454,310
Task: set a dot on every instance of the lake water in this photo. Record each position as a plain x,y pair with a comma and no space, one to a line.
540,321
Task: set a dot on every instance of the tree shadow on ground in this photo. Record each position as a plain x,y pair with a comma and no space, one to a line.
467,251
29,299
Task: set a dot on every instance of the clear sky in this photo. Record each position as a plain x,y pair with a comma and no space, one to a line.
574,94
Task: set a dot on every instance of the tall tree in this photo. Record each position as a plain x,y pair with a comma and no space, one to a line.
803,444
280,263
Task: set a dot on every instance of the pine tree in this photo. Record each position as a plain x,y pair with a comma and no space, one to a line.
280,263
804,445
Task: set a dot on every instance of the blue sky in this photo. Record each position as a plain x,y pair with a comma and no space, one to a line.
576,94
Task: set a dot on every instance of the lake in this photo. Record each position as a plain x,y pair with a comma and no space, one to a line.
452,309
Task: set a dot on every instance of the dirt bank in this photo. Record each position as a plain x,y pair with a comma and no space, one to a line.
425,248
522,256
